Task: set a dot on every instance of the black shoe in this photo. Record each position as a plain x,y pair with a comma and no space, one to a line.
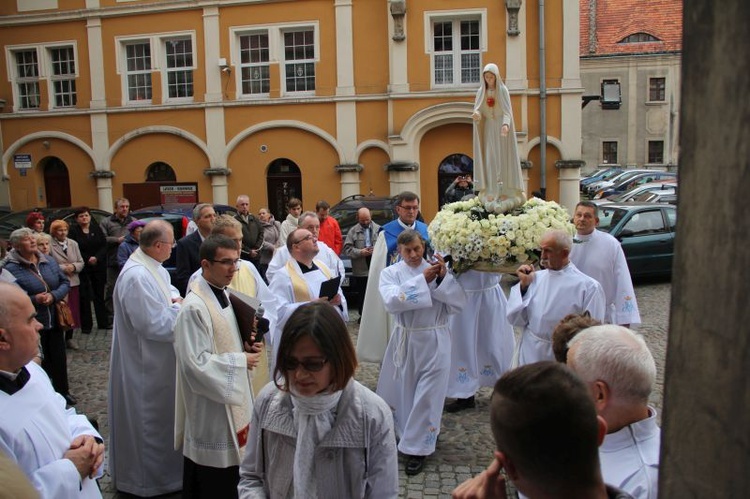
70,399
460,404
414,464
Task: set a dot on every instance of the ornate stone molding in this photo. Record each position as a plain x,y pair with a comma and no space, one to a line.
349,167
569,163
217,172
398,11
526,164
513,6
402,166
102,174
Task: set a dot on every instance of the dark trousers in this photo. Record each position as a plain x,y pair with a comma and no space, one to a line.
206,482
92,289
359,285
55,361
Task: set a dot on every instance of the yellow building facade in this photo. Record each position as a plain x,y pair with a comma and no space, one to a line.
318,99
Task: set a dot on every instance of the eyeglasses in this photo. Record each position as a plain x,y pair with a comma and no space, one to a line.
312,365
228,262
409,208
306,238
173,243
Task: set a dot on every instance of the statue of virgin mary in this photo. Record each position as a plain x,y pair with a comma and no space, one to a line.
497,168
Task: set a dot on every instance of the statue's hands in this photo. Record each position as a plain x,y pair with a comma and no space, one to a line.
504,130
476,116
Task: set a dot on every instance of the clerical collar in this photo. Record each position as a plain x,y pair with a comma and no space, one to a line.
11,383
402,224
220,294
305,269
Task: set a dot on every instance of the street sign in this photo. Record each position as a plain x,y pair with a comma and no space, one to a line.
22,161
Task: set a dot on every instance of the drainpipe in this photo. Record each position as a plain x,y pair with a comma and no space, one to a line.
542,103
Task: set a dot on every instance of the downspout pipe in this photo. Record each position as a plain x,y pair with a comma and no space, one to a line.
542,103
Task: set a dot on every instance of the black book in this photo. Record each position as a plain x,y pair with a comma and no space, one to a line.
330,287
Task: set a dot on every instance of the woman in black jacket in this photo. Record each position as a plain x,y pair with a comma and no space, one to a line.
93,245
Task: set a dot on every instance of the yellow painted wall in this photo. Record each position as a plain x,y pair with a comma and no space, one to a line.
77,126
148,25
373,178
436,145
130,163
321,115
553,11
315,158
191,120
370,27
24,192
535,176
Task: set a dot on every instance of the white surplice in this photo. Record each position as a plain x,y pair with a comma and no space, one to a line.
325,255
630,458
414,375
599,255
482,340
552,295
142,458
281,287
207,383
36,431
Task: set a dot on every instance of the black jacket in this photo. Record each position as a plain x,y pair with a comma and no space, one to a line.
252,237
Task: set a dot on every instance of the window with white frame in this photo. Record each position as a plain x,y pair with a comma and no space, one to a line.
168,57
63,76
138,70
179,68
456,51
255,71
299,60
27,79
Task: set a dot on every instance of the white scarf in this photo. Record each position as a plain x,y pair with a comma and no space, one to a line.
152,266
314,418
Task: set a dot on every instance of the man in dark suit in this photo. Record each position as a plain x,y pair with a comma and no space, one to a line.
188,248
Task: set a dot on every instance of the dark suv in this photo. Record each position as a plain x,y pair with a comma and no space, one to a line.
382,209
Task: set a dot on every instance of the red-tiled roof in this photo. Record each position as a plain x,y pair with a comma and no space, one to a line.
617,19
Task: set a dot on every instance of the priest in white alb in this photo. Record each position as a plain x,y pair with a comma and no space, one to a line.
310,222
542,298
58,450
214,367
142,457
299,280
599,255
416,366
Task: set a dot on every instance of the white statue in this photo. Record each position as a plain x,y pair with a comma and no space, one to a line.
497,168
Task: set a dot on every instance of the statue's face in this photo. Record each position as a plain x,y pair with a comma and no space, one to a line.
490,79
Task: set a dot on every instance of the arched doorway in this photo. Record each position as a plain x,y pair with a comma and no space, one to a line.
160,172
56,182
451,167
284,181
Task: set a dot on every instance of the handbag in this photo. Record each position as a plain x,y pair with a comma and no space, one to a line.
64,315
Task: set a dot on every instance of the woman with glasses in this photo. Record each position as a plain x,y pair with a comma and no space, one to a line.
316,432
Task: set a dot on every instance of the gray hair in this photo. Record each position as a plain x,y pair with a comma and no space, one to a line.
43,236
154,231
563,240
616,355
19,234
304,216
198,208
408,236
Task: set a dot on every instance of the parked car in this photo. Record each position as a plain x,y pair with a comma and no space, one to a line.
599,174
646,232
382,210
628,196
660,196
593,187
17,219
633,181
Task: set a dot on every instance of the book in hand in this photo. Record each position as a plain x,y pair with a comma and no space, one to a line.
330,288
244,307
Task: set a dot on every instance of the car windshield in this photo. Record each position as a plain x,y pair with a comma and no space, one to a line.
609,217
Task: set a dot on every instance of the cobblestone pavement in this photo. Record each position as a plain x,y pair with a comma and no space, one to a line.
465,446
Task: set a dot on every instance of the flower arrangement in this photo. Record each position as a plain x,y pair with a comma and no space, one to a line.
477,238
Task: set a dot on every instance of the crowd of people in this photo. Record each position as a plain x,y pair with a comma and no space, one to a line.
235,377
